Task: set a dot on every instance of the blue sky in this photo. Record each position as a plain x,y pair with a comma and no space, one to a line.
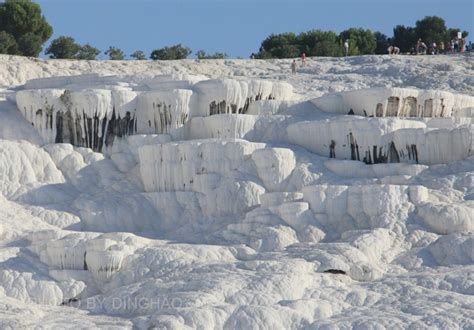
236,27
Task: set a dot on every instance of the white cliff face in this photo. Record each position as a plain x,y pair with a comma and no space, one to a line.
84,118
225,126
24,165
395,102
173,166
343,208
92,111
94,118
224,201
274,166
382,140
161,112
235,96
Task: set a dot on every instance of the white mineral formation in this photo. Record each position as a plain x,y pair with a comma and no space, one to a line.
395,102
91,111
377,140
231,194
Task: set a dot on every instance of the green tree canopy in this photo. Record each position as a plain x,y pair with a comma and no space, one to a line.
453,34
8,44
67,48
404,37
176,52
283,45
63,47
87,52
30,44
319,43
381,43
431,29
23,20
115,53
202,55
361,41
138,55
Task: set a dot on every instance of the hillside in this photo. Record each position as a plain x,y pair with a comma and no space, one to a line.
234,194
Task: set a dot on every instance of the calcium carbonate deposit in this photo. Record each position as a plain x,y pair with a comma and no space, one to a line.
232,194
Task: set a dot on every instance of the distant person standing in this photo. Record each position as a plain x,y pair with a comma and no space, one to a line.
448,47
441,47
293,67
303,59
461,45
424,48
418,46
346,47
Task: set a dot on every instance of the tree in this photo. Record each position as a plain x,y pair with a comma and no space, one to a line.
176,52
63,47
404,38
431,29
67,48
283,45
202,55
138,55
453,34
30,44
361,42
8,44
87,52
319,43
115,53
22,19
381,43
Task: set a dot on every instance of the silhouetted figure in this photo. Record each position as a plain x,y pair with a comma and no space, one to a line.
293,67
393,50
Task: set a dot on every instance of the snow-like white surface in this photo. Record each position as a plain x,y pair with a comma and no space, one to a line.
395,102
93,111
377,140
232,194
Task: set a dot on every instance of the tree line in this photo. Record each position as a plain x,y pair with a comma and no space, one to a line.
431,29
24,30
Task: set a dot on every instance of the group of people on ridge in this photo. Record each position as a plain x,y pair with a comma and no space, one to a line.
453,46
457,45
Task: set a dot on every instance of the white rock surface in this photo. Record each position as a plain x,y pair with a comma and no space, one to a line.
173,166
274,166
92,110
395,102
236,220
382,140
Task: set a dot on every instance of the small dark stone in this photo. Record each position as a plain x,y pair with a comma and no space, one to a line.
335,271
69,301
